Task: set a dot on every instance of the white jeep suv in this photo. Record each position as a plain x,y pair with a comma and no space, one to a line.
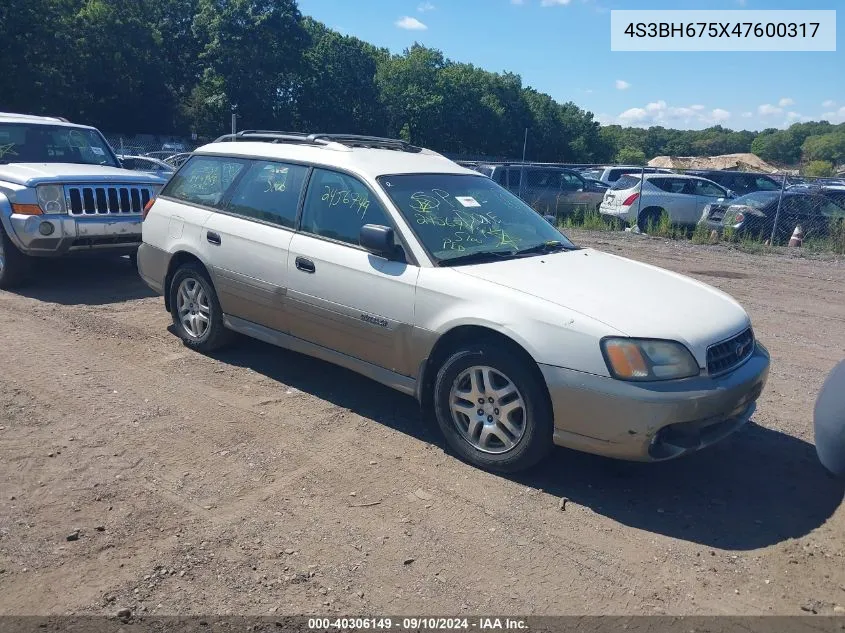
63,191
395,262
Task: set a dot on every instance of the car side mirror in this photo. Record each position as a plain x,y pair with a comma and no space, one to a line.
378,240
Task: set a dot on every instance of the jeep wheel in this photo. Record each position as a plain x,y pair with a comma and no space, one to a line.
14,265
492,410
196,311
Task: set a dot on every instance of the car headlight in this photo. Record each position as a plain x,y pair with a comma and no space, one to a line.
648,359
51,198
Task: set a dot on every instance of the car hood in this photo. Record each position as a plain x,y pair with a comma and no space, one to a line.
31,174
631,297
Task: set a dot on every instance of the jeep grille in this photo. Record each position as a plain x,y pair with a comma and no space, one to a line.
107,199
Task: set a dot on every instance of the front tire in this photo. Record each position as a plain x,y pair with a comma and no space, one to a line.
196,311
492,409
14,265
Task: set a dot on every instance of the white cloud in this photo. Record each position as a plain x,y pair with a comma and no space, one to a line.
741,2
661,113
411,24
554,3
517,1
633,115
792,117
622,85
837,116
829,103
426,6
767,109
718,114
785,102
747,115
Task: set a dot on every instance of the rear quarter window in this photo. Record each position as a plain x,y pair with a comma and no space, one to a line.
672,185
204,180
625,182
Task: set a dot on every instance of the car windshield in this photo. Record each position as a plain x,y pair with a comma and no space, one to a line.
756,200
37,143
459,216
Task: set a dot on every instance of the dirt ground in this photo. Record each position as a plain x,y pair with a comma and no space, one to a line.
260,481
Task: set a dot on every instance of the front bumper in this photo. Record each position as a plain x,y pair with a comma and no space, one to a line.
72,234
652,421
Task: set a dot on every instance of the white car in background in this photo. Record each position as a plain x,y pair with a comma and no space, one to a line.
641,200
612,173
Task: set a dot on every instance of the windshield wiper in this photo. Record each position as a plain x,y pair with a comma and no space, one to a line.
478,257
552,246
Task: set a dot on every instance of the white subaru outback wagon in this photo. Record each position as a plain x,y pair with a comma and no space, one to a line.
397,263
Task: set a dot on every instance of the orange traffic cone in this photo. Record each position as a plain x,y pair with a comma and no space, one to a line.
797,237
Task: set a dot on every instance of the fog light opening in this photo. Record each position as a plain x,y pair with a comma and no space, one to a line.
46,228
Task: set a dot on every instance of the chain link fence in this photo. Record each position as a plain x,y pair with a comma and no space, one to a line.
702,205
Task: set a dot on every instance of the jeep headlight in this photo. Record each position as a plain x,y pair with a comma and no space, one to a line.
51,198
648,359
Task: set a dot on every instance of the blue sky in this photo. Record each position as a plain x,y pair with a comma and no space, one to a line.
562,47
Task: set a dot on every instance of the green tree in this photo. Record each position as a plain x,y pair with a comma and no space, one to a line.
252,56
779,146
116,60
819,169
411,93
630,156
338,90
35,43
825,147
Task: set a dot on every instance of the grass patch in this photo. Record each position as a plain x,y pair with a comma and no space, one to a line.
701,234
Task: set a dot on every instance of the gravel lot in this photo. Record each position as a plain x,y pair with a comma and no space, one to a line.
137,474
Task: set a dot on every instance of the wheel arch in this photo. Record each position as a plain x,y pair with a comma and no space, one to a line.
179,259
464,335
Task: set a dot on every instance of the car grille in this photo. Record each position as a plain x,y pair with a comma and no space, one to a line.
717,213
727,355
107,200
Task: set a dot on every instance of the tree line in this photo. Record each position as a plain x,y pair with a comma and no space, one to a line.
172,67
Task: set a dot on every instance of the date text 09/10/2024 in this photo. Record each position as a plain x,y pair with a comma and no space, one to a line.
416,624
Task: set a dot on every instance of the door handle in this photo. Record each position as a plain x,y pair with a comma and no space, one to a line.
213,238
305,265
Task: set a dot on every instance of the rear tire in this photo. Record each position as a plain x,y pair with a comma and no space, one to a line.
14,265
650,216
492,409
196,311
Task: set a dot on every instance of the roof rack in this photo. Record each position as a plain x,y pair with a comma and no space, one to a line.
320,139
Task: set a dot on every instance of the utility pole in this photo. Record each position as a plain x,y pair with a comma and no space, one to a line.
522,170
234,119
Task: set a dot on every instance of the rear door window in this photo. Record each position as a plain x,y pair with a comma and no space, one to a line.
670,185
765,184
269,192
708,189
571,182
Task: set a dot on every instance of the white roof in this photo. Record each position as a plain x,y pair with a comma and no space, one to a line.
649,176
367,162
13,117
